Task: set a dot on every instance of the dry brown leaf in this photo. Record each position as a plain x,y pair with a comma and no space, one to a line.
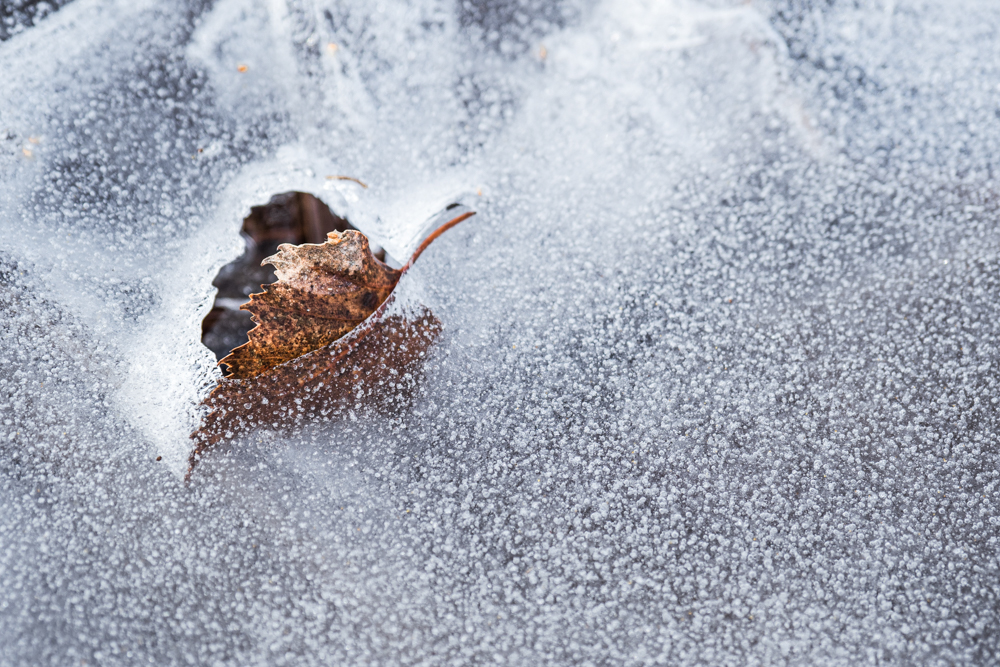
377,365
323,291
321,338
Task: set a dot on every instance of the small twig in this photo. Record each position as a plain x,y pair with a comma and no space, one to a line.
346,178
438,232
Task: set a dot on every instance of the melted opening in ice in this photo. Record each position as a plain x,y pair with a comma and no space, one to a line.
289,217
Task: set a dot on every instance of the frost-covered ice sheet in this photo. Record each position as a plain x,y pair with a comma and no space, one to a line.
718,376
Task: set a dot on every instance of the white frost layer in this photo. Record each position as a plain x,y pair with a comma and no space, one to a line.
716,382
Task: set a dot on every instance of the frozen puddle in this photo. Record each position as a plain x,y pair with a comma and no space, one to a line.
717,379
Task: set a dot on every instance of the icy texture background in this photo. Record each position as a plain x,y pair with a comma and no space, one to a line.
718,378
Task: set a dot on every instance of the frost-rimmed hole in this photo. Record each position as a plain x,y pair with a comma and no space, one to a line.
289,217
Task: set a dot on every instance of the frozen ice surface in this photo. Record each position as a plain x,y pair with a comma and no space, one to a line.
718,377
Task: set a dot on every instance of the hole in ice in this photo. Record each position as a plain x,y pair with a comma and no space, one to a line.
289,217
